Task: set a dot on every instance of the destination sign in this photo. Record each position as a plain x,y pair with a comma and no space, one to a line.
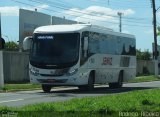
45,37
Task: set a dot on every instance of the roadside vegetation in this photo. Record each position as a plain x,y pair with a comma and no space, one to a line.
19,87
145,79
143,55
135,101
11,46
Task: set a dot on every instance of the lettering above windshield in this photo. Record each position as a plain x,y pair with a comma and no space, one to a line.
45,37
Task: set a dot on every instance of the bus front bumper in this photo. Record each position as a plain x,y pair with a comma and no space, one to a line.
77,79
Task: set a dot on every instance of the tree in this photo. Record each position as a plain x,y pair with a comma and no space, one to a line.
158,28
11,45
146,55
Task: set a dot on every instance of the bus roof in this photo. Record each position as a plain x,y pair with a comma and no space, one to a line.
61,28
78,28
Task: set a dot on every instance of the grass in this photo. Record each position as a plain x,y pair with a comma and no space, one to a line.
145,79
135,101
18,87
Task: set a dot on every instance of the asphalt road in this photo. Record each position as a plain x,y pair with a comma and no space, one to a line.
21,98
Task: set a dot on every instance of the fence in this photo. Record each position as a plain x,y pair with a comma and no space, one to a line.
1,70
145,67
14,67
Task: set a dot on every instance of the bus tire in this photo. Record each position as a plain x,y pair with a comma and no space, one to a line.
82,87
119,83
90,85
46,88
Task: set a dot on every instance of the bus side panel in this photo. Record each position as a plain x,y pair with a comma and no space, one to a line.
130,72
107,67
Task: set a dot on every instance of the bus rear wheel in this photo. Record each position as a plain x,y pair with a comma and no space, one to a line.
46,88
117,84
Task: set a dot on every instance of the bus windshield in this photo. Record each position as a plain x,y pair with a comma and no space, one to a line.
55,50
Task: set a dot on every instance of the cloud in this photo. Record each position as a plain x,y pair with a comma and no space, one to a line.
149,31
99,15
14,10
126,31
9,10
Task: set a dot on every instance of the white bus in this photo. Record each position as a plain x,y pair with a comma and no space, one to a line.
80,55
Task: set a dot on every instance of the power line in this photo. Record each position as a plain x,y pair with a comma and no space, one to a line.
81,16
125,4
92,14
59,3
68,8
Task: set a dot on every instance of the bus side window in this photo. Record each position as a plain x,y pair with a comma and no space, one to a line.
82,46
84,53
84,35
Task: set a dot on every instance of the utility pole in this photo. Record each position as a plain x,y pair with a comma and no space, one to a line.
155,37
0,27
154,29
120,21
1,61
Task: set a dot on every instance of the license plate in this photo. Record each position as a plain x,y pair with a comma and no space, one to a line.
51,80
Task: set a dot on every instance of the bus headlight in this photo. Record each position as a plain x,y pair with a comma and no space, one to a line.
72,72
34,72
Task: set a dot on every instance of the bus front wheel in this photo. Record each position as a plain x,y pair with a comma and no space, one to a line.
90,85
46,88
117,84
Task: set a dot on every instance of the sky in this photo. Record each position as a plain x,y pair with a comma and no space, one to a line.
136,16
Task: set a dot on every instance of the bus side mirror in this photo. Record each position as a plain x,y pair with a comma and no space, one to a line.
85,48
27,42
2,43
